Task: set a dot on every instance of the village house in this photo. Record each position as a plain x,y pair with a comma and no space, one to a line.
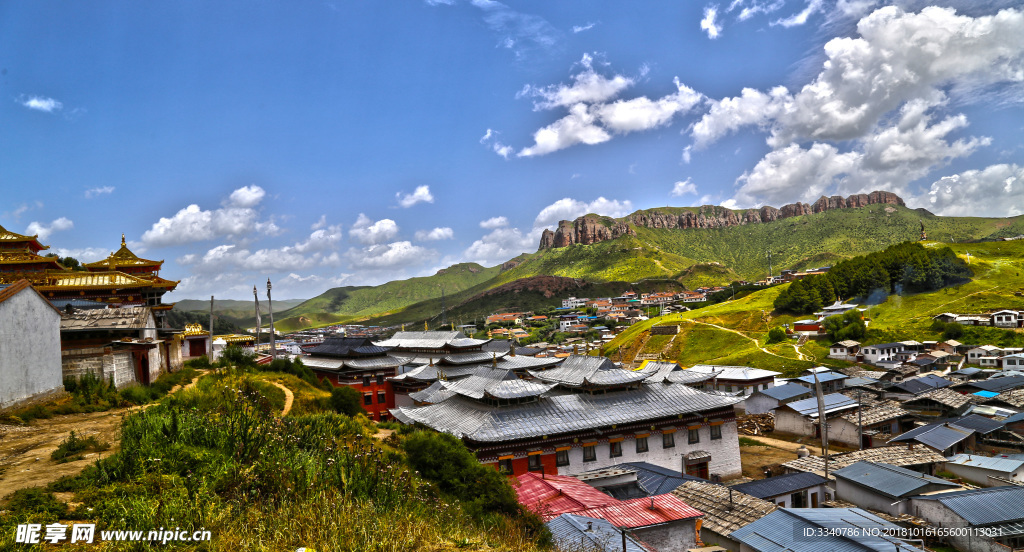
877,422
740,379
635,480
844,350
884,487
767,400
995,513
919,459
986,471
819,530
30,361
831,382
874,354
939,403
1007,319
605,415
801,417
663,522
946,438
121,343
792,490
725,511
574,302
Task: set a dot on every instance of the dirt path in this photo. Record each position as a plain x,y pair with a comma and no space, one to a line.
962,298
754,341
289,397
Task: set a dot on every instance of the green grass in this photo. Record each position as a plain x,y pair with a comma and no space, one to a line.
71,449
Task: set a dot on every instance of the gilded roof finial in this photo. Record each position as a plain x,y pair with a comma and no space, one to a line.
122,240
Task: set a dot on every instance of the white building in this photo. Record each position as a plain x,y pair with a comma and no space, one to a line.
979,469
29,346
873,354
574,302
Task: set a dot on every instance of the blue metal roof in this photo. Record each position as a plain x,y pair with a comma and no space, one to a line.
653,479
986,394
892,481
923,384
823,377
787,391
981,507
1014,419
852,530
572,532
781,485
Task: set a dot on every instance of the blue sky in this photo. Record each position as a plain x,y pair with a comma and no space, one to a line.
350,143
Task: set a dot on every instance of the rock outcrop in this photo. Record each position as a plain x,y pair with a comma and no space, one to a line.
591,229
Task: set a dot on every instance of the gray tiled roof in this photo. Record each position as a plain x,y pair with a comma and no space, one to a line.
724,512
882,412
944,396
580,371
496,382
892,481
673,373
430,340
847,530
471,358
553,415
894,455
780,485
823,377
433,394
981,507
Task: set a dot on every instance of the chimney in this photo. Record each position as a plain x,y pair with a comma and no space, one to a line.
590,526
652,503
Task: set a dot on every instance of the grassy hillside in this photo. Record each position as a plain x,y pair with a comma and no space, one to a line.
350,303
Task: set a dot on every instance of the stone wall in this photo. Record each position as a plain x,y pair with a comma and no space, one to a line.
101,361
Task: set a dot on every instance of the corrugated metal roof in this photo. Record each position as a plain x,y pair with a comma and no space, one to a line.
787,391
673,373
735,372
430,340
550,496
577,532
553,415
1007,465
645,512
433,394
981,507
999,384
834,402
923,384
823,377
890,480
847,530
780,485
581,371
347,347
472,358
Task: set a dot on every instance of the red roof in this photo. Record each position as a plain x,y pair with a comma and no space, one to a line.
638,512
553,495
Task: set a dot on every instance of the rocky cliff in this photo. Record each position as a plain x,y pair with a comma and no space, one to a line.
592,229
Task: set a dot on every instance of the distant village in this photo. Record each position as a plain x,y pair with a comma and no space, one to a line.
927,437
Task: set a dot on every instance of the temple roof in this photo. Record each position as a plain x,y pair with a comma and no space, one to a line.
100,279
6,236
122,257
346,347
496,383
588,371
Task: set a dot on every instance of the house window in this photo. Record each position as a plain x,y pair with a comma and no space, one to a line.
716,432
589,453
615,449
534,464
505,466
381,397
562,457
368,399
380,379
366,381
694,435
668,440
641,444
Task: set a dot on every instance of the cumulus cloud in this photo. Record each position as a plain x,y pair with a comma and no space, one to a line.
318,249
708,24
996,191
793,170
368,232
587,87
44,230
83,254
93,192
757,8
569,209
799,18
237,217
523,33
494,222
391,255
592,115
435,234
420,195
897,57
40,103
500,245
683,188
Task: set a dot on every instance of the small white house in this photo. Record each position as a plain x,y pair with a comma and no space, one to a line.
30,365
844,350
1006,319
873,354
978,469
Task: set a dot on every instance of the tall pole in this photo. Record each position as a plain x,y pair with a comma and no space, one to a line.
210,350
273,334
823,421
259,322
860,420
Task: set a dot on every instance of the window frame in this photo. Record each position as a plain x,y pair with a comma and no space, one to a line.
382,397
367,399
533,463
716,432
668,440
590,453
646,445
693,436
561,458
615,449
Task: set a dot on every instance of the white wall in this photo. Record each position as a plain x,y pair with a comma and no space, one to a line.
102,362
980,476
29,348
868,499
940,516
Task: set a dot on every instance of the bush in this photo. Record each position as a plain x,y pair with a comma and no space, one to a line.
953,331
776,335
38,501
71,449
346,400
137,394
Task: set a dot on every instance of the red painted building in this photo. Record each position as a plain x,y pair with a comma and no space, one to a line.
358,363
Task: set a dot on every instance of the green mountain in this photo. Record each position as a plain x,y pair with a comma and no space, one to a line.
693,257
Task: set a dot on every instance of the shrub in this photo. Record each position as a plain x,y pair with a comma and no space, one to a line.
346,400
776,335
71,449
38,501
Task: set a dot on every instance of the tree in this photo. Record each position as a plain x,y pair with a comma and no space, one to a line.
776,335
346,400
849,325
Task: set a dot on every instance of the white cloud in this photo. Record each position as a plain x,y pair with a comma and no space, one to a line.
708,23
322,223
522,33
435,234
996,191
40,103
797,19
569,209
642,113
45,230
503,150
321,239
580,28
93,192
578,127
84,254
392,255
587,87
687,154
897,57
487,135
494,222
370,233
500,245
420,195
684,187
793,171
246,197
440,2
756,8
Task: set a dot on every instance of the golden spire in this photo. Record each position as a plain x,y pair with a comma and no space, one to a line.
122,240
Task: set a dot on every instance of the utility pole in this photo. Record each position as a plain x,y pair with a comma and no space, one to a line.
860,420
822,421
259,322
210,351
273,334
